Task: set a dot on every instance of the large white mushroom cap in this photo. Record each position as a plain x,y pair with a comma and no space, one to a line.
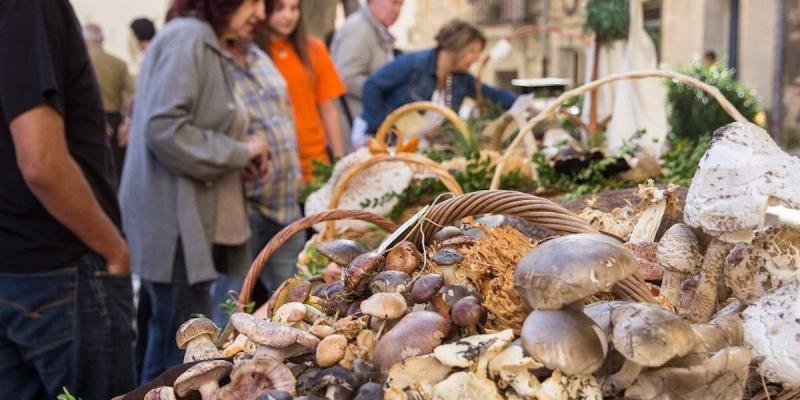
742,172
772,330
376,182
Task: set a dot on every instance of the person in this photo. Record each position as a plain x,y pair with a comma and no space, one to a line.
273,199
181,189
65,289
313,83
116,88
709,57
361,46
143,31
438,74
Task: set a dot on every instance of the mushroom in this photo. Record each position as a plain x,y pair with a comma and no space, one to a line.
416,334
290,313
453,293
678,251
446,233
341,251
426,289
369,391
362,348
723,376
468,313
403,257
772,330
466,352
447,260
511,368
568,268
565,340
300,292
160,393
275,395
742,173
560,387
330,350
272,339
704,299
770,261
389,282
203,377
321,330
252,377
384,306
415,377
645,254
337,382
196,336
359,269
465,385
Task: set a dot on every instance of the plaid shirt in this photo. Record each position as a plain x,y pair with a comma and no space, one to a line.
263,90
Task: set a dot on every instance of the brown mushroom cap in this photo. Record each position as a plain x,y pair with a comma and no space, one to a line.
271,334
193,328
649,334
569,268
565,340
468,313
678,250
389,282
341,251
404,257
385,305
290,313
201,374
426,287
331,350
416,334
360,268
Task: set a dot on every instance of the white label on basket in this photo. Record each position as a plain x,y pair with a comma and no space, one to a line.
402,231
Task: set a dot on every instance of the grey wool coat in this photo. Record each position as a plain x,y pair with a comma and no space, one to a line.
177,151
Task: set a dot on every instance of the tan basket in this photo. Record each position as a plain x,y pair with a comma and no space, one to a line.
394,116
552,108
299,226
527,206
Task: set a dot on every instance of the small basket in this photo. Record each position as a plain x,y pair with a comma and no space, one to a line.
552,108
299,226
394,116
529,207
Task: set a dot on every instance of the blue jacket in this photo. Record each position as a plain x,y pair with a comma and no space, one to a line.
412,77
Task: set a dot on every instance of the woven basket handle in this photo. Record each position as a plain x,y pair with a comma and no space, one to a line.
409,158
299,226
387,124
551,108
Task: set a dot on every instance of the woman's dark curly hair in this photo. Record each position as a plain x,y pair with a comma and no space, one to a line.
215,12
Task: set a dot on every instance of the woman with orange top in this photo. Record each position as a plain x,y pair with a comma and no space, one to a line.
312,81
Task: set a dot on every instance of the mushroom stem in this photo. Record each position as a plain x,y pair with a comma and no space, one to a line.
380,330
236,347
671,285
207,390
704,301
622,379
449,274
201,348
440,306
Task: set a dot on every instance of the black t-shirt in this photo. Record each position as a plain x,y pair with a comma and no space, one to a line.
44,61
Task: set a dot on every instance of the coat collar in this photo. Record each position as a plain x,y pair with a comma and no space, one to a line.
382,30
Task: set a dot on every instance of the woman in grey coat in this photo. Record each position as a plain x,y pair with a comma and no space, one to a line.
181,192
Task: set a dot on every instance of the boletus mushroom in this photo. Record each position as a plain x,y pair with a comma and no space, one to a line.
568,268
426,290
272,339
203,377
197,336
360,269
341,251
404,257
418,333
389,282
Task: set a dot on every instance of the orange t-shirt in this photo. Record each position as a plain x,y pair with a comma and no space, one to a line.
306,92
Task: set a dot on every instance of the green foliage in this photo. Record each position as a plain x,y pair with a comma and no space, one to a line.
316,262
591,179
320,174
695,113
66,395
681,160
608,19
230,305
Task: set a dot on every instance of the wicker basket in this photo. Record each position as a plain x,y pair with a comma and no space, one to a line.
551,110
527,206
388,123
299,226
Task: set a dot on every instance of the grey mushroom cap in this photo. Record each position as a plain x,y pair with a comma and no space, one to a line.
389,282
649,334
272,334
565,340
200,374
341,251
568,268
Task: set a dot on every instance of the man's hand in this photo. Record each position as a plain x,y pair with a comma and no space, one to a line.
259,157
118,261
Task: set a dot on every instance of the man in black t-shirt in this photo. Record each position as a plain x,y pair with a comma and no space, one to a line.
65,290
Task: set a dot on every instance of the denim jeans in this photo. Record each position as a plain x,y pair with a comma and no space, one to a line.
171,305
70,328
281,266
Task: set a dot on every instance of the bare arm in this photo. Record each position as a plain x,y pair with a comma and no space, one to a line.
333,128
57,181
